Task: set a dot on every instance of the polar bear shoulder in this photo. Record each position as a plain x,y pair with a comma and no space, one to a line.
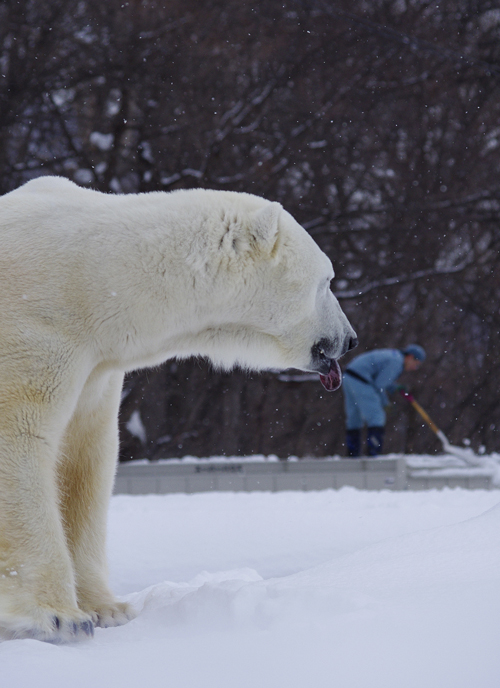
49,185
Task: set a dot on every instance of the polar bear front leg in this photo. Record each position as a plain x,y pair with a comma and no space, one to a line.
86,476
37,584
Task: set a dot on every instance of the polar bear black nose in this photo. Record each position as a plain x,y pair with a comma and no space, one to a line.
349,344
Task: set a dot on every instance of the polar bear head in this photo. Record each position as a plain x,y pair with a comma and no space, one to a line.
267,301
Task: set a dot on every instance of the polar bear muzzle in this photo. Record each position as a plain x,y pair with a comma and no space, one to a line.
327,366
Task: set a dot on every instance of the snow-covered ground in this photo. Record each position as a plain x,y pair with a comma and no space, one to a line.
344,588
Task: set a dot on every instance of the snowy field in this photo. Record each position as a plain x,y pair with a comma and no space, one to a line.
344,589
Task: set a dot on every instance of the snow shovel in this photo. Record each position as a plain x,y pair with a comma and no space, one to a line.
466,455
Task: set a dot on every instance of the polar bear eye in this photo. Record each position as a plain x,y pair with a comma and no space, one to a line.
325,286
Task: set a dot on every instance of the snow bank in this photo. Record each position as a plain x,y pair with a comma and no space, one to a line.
335,588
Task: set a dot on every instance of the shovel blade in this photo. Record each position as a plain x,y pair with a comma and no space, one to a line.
463,453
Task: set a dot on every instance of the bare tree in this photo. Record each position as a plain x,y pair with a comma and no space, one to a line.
375,124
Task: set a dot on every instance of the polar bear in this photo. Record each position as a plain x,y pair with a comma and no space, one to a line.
91,286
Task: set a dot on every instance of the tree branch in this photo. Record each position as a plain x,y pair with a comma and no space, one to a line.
400,279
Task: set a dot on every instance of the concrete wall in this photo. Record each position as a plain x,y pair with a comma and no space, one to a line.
162,478
273,476
467,478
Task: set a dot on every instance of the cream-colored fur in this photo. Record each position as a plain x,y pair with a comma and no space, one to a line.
92,286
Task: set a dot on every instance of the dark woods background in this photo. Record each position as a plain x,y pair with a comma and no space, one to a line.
376,124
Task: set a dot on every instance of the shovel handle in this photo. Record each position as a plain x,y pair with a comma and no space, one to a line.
424,415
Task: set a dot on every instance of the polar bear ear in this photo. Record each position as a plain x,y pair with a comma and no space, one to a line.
264,225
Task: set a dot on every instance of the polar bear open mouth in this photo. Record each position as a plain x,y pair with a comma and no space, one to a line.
333,379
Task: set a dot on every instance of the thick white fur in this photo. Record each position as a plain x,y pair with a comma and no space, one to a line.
91,286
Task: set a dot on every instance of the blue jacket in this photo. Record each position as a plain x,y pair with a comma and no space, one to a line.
380,368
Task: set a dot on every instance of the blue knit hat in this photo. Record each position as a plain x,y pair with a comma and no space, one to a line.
416,351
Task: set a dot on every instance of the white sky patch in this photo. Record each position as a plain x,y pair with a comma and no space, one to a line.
103,142
136,428
83,176
63,96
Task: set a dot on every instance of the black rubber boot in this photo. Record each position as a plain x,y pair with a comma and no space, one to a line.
375,441
353,443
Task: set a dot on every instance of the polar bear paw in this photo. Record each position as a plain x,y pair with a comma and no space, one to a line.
112,614
67,631
49,627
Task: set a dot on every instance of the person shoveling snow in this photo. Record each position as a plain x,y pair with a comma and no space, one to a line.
368,379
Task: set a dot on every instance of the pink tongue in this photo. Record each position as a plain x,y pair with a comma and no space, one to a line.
333,380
